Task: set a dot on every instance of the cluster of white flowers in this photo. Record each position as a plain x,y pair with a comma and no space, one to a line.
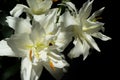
41,37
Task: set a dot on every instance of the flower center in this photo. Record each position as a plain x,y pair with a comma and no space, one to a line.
34,50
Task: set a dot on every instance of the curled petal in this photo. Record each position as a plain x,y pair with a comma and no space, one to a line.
18,10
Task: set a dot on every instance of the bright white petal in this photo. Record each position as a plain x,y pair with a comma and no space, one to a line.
5,50
18,10
19,25
26,68
101,36
36,71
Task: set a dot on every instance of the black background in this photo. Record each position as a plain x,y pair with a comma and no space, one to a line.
97,65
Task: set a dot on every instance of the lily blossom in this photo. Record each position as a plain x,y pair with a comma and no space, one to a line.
84,28
35,46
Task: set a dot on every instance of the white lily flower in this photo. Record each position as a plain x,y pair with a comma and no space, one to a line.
35,46
36,7
84,27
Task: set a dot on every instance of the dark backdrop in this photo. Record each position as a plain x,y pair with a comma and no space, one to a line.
96,66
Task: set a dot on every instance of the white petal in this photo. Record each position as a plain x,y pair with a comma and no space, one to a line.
18,10
96,13
43,55
36,71
76,51
92,42
68,19
20,44
101,36
37,33
71,7
49,22
5,50
86,48
19,25
20,40
26,68
85,10
39,18
60,63
39,6
79,49
63,39
57,73
55,55
92,27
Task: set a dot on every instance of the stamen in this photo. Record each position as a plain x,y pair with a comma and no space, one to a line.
51,65
97,18
30,55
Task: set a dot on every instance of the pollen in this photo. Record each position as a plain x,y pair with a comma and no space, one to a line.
52,65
